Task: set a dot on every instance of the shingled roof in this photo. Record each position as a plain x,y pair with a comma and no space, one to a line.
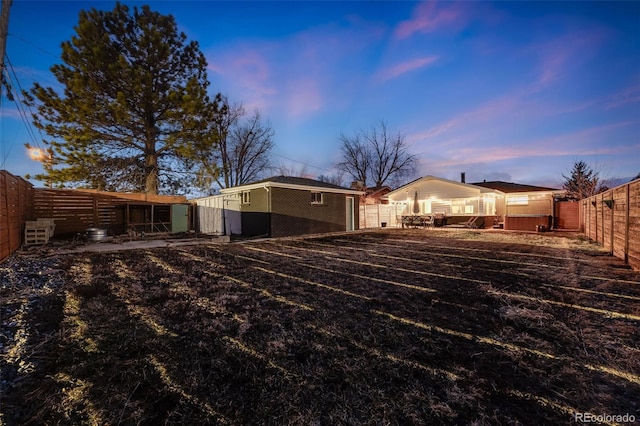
510,187
290,180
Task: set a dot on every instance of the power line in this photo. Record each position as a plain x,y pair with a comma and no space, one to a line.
20,105
303,163
34,45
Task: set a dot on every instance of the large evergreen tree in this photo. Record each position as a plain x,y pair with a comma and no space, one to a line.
134,103
583,182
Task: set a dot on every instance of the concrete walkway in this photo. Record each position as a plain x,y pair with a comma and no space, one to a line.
142,244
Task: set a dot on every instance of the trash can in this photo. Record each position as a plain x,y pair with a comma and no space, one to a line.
383,224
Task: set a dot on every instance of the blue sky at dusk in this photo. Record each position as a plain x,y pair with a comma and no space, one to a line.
514,91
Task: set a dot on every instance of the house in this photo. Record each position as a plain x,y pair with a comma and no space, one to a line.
280,206
523,207
500,204
456,200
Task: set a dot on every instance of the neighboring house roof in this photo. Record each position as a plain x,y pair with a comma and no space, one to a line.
291,182
377,191
510,187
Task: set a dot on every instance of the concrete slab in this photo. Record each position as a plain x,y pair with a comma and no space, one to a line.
143,244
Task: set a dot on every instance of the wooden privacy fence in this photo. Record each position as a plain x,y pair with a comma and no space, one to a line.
75,210
612,218
16,201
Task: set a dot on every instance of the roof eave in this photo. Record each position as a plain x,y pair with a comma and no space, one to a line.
251,186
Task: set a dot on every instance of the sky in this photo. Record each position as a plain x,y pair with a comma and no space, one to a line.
510,90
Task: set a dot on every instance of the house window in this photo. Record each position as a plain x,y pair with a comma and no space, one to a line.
316,198
463,206
517,200
246,197
457,206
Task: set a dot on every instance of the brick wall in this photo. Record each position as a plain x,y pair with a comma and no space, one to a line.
293,214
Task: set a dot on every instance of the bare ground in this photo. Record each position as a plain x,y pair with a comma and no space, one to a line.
382,327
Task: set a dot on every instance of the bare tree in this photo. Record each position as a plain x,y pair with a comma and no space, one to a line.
243,153
377,156
248,146
229,118
335,179
356,157
289,170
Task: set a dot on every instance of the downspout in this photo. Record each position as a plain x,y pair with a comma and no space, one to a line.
224,218
224,215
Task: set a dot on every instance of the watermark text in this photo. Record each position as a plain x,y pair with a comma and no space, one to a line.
603,418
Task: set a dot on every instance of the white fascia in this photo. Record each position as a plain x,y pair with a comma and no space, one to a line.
267,185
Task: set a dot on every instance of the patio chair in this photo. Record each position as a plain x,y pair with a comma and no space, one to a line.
429,221
471,223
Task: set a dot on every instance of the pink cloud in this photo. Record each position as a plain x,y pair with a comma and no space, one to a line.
294,75
581,142
303,97
249,66
434,131
247,76
405,67
627,96
559,56
490,111
430,16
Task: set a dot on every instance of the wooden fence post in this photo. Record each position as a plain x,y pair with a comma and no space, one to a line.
6,192
626,223
599,204
612,211
595,216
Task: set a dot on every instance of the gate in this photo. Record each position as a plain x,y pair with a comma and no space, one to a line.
567,215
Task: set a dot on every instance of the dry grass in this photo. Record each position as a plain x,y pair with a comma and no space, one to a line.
394,327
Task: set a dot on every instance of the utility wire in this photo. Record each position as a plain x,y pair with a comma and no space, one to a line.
303,163
34,45
23,106
29,71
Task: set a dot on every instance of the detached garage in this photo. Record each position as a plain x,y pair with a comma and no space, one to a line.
279,206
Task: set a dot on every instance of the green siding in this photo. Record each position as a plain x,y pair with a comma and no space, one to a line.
259,201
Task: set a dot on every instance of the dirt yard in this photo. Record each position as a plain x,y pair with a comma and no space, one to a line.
383,327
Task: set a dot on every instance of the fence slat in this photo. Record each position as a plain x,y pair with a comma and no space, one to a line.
612,219
16,207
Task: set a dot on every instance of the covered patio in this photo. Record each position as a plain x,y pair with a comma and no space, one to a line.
435,202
